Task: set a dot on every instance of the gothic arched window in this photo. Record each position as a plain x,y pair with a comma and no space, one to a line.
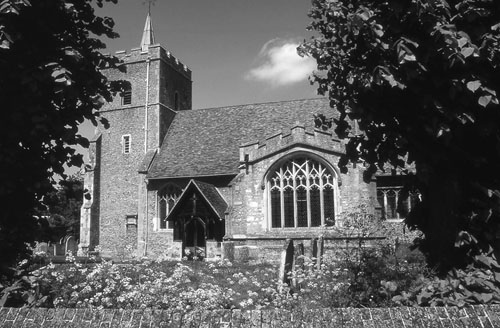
166,201
302,194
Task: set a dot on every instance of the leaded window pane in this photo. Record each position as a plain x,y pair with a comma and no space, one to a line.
171,203
163,213
380,199
302,207
329,205
276,208
391,205
288,202
315,207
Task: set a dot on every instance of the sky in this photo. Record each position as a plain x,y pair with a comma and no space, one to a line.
239,51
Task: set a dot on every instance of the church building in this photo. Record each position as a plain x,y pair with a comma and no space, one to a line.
169,181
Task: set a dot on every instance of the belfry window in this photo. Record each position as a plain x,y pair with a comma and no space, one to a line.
127,96
126,143
302,194
167,197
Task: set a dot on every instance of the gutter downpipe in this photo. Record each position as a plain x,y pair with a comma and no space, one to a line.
146,106
148,63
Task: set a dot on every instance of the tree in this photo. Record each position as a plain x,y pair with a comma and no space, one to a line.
51,81
62,214
420,78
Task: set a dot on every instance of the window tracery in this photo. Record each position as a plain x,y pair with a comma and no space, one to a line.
302,194
167,197
388,198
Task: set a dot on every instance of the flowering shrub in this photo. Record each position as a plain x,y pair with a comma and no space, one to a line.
366,269
367,277
190,285
166,285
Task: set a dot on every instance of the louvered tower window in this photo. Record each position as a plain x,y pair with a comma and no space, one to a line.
302,194
127,96
126,143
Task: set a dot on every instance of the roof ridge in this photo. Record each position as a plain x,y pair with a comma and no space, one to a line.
261,103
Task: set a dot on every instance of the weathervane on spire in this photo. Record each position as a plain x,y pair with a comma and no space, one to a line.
148,37
149,2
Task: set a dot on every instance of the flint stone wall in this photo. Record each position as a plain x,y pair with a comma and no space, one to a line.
477,316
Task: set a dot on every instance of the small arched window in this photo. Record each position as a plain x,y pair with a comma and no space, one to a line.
127,95
167,197
302,194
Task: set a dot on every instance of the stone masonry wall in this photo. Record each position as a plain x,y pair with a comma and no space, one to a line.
120,183
452,317
249,217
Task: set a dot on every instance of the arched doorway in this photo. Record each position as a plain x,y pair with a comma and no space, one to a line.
198,217
194,238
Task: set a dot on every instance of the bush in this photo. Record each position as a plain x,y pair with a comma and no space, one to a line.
21,288
478,283
356,277
165,285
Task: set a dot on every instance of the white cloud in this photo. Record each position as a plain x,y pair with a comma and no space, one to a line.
279,64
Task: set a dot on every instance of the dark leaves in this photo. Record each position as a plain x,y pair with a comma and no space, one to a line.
421,79
50,82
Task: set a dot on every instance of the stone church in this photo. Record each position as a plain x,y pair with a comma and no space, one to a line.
169,181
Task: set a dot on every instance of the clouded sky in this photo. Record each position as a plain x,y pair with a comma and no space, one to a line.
240,51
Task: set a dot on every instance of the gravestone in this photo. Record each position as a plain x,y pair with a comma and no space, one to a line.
298,260
59,250
213,250
314,251
317,250
42,248
299,256
175,251
286,262
320,251
228,251
241,253
71,245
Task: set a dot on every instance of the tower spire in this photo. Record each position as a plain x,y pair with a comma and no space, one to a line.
148,36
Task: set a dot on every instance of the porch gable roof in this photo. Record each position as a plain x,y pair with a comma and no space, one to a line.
208,192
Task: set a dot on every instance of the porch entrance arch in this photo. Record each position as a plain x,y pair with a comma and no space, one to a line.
194,240
198,217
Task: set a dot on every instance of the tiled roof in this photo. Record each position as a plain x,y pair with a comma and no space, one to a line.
213,197
205,142
146,161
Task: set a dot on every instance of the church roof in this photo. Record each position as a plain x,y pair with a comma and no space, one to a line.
205,142
213,197
146,161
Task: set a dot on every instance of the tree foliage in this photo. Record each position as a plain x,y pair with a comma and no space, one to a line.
61,216
51,81
420,78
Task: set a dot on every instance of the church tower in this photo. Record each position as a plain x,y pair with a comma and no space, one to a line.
139,118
